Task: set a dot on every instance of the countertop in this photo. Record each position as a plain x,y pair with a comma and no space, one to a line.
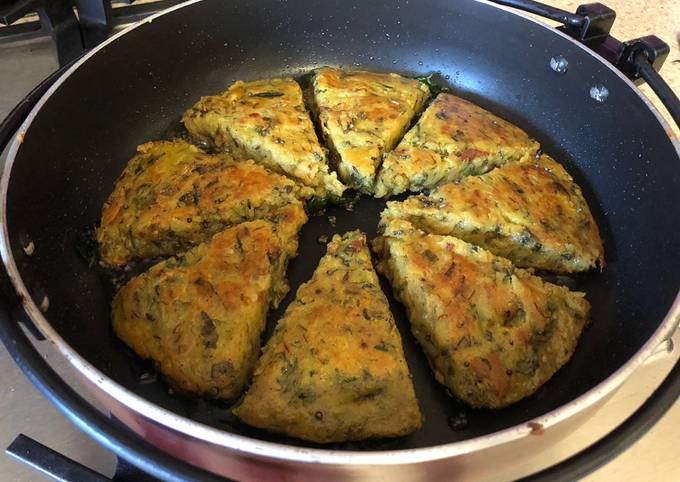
655,457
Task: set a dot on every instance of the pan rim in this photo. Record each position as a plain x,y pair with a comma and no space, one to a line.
278,451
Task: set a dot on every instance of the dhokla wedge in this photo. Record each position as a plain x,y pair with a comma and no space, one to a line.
334,369
362,116
492,333
172,196
532,213
199,316
454,138
266,120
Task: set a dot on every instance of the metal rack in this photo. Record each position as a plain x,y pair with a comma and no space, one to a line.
74,25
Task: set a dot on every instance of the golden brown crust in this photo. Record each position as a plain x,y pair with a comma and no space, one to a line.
265,120
334,369
454,138
492,333
200,316
532,213
362,115
172,196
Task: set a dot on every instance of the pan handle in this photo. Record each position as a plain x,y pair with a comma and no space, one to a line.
639,59
662,90
546,11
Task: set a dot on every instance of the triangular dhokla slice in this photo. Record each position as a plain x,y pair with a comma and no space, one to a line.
454,138
172,196
266,120
532,213
200,316
493,333
334,370
363,115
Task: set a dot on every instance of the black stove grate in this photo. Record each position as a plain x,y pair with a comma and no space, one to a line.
75,26
59,467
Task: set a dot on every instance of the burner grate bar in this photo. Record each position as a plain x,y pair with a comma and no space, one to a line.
51,463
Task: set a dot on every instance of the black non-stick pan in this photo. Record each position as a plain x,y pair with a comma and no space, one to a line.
585,114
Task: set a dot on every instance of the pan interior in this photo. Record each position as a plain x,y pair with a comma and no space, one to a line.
135,88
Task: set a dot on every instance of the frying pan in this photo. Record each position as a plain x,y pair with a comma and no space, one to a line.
133,88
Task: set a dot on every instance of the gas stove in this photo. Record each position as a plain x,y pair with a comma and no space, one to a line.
41,36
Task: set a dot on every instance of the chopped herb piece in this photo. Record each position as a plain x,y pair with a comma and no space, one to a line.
315,204
431,257
382,346
268,95
208,331
219,369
